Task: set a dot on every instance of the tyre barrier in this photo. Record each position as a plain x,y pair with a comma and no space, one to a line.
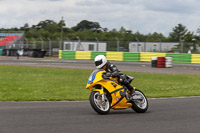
161,62
154,61
168,62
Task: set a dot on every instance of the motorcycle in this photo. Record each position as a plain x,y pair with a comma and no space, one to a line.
107,93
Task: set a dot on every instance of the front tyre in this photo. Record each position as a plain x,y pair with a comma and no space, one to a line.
140,105
100,106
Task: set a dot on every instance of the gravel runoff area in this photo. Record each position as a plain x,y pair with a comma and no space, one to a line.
178,68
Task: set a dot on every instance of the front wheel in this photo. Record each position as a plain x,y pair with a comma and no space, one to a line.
97,103
140,104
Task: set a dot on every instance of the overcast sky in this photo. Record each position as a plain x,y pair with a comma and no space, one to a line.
145,16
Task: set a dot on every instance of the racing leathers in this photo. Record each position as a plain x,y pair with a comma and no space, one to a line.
122,78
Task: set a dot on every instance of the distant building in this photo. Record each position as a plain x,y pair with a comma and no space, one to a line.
152,46
84,46
198,48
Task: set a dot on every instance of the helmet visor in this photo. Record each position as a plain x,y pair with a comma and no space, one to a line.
99,62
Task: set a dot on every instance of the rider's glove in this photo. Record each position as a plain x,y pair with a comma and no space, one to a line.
108,74
115,74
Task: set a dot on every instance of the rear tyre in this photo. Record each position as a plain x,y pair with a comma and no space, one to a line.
101,107
140,105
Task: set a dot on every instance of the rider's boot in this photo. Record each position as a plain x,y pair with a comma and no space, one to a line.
130,95
132,92
131,89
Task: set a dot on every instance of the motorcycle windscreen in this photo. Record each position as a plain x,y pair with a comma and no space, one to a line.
93,75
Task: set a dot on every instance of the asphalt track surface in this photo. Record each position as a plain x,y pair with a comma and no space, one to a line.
173,115
179,68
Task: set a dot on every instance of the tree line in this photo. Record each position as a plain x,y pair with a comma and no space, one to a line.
88,30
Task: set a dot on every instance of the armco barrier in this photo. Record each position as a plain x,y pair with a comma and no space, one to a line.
117,56
94,54
128,56
145,56
131,56
195,58
68,54
83,55
60,54
180,58
1,52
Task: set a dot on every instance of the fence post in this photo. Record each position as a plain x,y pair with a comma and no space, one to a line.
59,43
181,41
117,43
49,46
160,44
42,44
145,46
97,49
73,49
138,41
6,43
34,44
78,48
26,42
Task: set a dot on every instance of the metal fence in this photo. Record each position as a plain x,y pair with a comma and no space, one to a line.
52,47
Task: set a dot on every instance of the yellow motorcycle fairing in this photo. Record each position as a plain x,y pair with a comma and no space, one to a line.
111,85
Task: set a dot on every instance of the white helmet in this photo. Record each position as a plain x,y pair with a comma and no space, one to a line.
100,61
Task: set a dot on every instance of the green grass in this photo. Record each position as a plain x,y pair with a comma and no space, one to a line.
19,83
167,85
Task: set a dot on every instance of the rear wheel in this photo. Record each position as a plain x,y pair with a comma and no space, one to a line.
140,105
97,103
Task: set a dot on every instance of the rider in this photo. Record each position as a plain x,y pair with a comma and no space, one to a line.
102,63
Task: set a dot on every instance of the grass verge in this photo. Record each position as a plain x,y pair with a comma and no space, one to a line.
18,83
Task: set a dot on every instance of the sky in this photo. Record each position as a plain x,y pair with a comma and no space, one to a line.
145,16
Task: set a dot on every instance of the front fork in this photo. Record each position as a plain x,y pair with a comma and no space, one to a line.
103,95
127,94
101,91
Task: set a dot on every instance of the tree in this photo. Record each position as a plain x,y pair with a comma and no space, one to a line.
25,27
155,37
197,37
178,31
49,25
198,31
139,36
181,33
87,25
61,23
122,30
